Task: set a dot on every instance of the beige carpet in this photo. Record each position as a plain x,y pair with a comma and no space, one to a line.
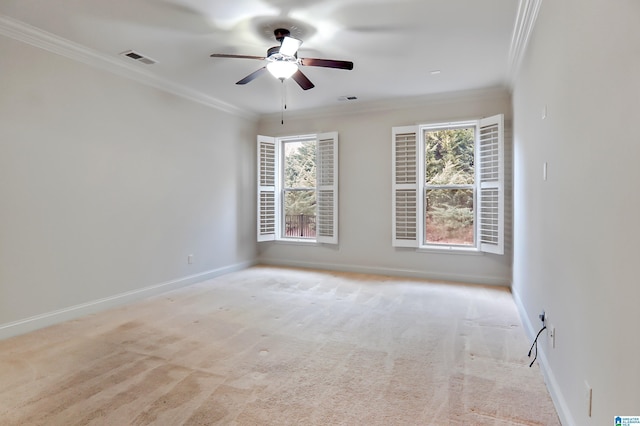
274,346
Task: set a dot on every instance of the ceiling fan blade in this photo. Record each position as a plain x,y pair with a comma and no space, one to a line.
302,80
290,46
224,55
327,63
252,76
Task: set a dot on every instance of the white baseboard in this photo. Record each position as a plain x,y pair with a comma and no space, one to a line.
55,317
550,379
409,273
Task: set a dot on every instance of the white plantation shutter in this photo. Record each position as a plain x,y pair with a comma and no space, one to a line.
327,188
405,186
490,156
267,175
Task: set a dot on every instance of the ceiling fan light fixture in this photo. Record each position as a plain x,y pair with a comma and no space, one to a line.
282,69
283,61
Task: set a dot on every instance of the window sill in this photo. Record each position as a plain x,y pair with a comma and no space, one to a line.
297,241
471,251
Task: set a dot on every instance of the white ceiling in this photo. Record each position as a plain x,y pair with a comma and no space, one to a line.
395,45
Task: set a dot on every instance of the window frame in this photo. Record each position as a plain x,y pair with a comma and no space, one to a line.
283,189
409,188
424,187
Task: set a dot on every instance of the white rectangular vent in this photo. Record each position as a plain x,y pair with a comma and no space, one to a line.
138,57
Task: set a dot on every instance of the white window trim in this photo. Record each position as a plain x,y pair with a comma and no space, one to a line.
270,225
408,190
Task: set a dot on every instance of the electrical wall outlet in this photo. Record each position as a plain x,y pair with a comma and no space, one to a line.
551,332
190,259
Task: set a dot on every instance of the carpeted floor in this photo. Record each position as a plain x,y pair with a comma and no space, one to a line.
275,346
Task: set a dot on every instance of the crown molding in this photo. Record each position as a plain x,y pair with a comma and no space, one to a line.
36,37
392,104
525,21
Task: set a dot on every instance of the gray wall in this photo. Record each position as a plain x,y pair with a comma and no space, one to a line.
365,189
108,185
576,234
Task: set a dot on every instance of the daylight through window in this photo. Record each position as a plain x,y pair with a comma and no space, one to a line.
299,189
449,189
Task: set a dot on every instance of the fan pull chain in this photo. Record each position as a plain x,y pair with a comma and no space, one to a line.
284,102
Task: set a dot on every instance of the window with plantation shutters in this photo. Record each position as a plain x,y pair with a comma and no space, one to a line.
298,188
448,186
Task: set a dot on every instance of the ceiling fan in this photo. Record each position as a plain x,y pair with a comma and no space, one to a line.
283,61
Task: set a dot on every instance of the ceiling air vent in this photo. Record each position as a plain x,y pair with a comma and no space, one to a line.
347,98
138,57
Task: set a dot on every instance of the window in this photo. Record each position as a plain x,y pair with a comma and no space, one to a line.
448,186
298,188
